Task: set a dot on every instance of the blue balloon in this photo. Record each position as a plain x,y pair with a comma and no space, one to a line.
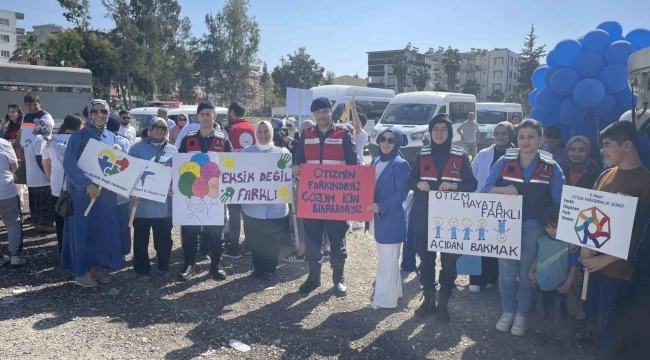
626,99
550,59
538,77
531,98
596,42
571,113
604,107
536,114
618,52
566,52
588,92
588,130
580,39
639,38
614,78
589,65
548,101
566,131
603,123
564,80
615,115
549,74
200,159
614,29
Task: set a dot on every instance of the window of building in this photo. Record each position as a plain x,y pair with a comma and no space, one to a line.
511,61
498,61
509,87
4,38
5,54
471,76
509,74
4,22
497,74
390,69
496,87
457,75
391,80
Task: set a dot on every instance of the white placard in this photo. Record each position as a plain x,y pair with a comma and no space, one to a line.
597,220
154,182
110,168
255,178
299,101
196,190
475,224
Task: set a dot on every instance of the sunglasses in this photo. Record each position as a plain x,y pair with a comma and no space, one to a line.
182,119
102,111
390,141
159,127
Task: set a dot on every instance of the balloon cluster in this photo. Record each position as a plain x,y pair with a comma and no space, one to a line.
199,177
583,88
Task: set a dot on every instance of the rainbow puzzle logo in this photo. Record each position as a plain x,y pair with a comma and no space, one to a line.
111,164
593,227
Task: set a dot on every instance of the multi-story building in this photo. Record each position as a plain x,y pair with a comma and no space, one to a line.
9,33
380,68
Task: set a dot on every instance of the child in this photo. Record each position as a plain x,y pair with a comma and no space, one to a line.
552,273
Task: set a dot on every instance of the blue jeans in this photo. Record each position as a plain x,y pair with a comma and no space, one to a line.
510,269
607,297
123,215
408,257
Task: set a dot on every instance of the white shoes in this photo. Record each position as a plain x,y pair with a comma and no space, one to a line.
519,326
16,260
505,322
474,289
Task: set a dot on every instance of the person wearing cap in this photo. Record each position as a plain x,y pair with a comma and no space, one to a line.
440,166
204,140
327,144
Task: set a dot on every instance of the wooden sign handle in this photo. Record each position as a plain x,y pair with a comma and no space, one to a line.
92,202
585,284
135,208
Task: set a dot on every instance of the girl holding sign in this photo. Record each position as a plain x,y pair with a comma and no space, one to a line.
439,167
532,173
149,214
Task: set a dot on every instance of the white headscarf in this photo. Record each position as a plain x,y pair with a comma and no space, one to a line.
257,141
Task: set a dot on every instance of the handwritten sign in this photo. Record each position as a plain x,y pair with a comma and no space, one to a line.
254,178
598,220
110,168
153,183
475,224
196,190
336,192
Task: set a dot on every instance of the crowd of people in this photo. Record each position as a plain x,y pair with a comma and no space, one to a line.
535,291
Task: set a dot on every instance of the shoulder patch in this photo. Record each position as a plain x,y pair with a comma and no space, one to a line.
218,135
192,133
546,157
457,150
425,151
512,154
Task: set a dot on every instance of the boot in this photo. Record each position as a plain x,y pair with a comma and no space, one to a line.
338,279
313,280
428,306
443,301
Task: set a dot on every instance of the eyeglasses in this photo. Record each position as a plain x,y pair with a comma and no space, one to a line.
102,111
390,141
159,127
289,125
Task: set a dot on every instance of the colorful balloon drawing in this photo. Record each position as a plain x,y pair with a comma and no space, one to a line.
200,159
196,176
192,167
209,171
213,185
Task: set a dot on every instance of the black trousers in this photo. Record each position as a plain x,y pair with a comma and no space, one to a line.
336,230
60,220
489,272
162,243
211,234
447,277
234,225
263,240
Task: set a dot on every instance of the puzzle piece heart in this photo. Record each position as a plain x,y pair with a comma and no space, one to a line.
111,164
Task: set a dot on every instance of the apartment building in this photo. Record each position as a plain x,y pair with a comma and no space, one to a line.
380,68
9,33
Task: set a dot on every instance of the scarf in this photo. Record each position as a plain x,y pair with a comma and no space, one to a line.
397,133
446,146
92,103
511,135
582,166
43,128
187,120
151,140
268,146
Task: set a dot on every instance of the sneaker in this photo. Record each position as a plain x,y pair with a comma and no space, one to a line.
233,253
203,257
505,322
85,281
186,273
16,260
4,259
474,289
100,275
520,325
294,258
218,274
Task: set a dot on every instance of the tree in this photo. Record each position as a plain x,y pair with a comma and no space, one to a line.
329,78
451,65
28,50
99,56
78,12
513,98
421,77
264,77
497,96
297,70
64,50
471,86
270,98
400,68
529,61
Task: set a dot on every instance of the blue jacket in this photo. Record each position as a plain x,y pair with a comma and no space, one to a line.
391,190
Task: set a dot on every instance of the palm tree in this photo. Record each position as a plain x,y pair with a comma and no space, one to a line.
451,65
400,68
471,86
29,51
421,77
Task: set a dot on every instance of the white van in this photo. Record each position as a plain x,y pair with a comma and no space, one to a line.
488,115
411,113
139,116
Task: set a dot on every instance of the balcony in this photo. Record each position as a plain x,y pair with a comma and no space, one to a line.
20,31
376,73
377,85
20,16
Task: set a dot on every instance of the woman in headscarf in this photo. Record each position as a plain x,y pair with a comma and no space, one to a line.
90,243
264,225
181,121
152,215
433,164
42,204
579,169
389,220
504,135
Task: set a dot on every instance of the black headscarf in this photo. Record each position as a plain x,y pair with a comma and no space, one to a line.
441,119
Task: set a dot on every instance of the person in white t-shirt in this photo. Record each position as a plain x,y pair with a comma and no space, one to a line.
10,205
126,129
53,163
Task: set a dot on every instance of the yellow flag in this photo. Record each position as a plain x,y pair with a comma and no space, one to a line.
344,116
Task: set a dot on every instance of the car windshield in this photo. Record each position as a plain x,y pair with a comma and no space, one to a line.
486,117
415,114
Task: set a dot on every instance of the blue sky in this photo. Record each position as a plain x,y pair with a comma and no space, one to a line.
338,33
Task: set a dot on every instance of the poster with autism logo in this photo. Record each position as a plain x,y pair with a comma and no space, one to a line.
154,182
195,183
254,178
110,168
475,224
597,220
